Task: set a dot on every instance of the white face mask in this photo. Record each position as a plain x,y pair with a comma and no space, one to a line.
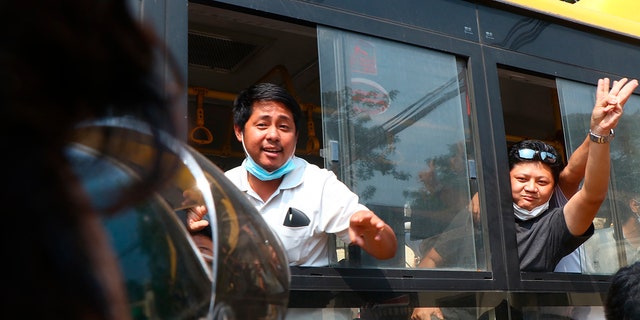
524,214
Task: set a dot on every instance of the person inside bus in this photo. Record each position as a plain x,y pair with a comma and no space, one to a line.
534,172
441,209
608,242
630,218
568,184
545,236
301,202
601,254
62,64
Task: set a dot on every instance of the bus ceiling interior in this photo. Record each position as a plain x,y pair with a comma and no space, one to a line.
229,50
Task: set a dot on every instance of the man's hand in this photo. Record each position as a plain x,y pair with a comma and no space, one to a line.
610,103
197,212
373,235
365,225
426,313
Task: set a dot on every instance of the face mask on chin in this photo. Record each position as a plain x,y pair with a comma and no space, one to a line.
262,174
524,214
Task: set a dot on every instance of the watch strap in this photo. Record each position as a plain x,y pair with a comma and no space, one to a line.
601,139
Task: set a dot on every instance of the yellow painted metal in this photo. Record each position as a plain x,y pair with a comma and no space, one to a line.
619,16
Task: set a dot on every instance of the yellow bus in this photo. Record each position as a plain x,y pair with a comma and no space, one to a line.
617,16
413,104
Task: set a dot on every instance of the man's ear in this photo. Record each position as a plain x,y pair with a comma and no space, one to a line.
238,131
634,205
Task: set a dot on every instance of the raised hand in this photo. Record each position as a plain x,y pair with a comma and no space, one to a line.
610,103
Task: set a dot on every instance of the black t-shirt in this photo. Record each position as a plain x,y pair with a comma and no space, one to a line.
545,239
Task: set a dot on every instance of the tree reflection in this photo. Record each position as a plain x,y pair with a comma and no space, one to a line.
373,144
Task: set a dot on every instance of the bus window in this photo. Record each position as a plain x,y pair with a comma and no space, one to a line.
558,112
396,119
615,242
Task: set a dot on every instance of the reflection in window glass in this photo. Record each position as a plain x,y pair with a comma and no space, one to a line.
568,312
396,128
616,240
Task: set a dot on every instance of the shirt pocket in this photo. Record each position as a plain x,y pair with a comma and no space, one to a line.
293,240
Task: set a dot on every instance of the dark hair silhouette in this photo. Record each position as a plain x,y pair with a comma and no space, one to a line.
623,297
63,63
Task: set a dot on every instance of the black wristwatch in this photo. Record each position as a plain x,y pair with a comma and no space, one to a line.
601,139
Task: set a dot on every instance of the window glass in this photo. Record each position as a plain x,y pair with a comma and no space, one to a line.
564,312
396,130
616,241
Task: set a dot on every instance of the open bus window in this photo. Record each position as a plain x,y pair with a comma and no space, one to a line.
558,112
614,243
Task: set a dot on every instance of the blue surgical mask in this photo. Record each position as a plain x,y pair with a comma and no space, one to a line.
263,175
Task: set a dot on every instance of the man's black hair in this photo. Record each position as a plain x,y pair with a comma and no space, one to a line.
538,146
243,104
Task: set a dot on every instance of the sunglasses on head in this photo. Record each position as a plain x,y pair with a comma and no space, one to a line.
530,154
